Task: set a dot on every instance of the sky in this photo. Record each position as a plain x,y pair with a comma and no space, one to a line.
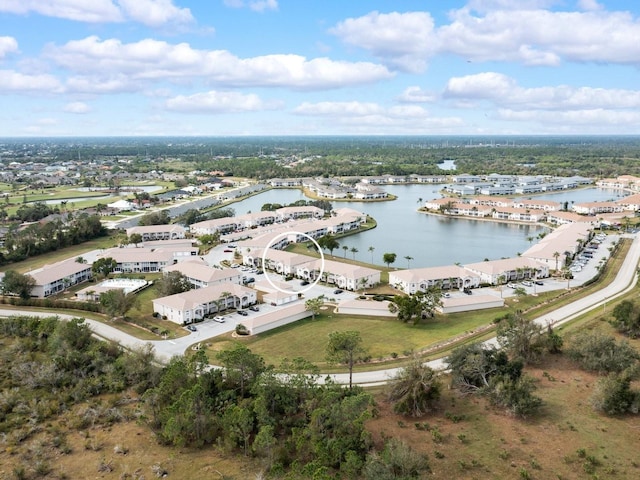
319,67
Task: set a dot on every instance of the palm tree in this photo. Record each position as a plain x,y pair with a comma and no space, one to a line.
408,259
354,250
556,255
345,248
371,249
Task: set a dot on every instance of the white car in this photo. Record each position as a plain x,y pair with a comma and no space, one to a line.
527,283
218,319
512,285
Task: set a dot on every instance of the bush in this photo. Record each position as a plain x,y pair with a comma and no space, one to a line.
601,353
241,329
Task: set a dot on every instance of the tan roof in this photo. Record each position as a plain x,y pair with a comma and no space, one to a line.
57,271
192,298
202,272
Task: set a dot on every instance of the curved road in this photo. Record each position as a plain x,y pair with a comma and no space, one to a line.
625,280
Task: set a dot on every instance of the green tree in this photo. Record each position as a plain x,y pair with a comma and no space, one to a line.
172,283
397,461
117,303
408,258
627,318
103,266
521,337
613,395
371,250
242,367
354,250
15,283
135,238
389,258
601,353
411,308
345,347
328,242
314,305
414,389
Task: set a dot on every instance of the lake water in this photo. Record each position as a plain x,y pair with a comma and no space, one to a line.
430,240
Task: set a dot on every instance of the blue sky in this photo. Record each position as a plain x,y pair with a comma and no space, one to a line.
318,67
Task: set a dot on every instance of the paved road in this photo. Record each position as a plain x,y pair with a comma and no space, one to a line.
625,280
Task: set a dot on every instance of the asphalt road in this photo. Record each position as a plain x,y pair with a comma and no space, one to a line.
625,280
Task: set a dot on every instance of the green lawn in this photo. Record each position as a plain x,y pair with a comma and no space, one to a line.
383,337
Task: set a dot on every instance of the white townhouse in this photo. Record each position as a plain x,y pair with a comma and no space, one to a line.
158,232
466,178
623,182
209,227
518,214
370,193
559,244
630,203
344,275
285,182
595,208
537,204
194,305
415,280
496,272
284,263
147,260
295,213
201,275
55,278
257,219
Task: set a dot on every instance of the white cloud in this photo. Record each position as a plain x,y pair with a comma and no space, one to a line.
504,30
149,12
8,45
15,82
157,60
504,92
371,118
155,13
219,102
590,5
416,94
77,107
93,11
338,108
101,85
404,40
255,5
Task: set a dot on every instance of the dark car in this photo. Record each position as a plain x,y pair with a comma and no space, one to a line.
248,280
467,291
243,313
304,282
538,282
338,291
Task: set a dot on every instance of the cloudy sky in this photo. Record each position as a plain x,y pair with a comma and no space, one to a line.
319,67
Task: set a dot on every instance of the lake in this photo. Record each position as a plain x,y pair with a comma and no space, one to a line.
430,240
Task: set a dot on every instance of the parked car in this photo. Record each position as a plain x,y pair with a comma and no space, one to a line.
243,313
539,282
192,328
527,283
254,308
338,291
468,291
512,285
446,295
248,280
226,250
219,319
304,282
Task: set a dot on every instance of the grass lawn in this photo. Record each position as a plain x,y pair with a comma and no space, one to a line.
384,338
62,254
